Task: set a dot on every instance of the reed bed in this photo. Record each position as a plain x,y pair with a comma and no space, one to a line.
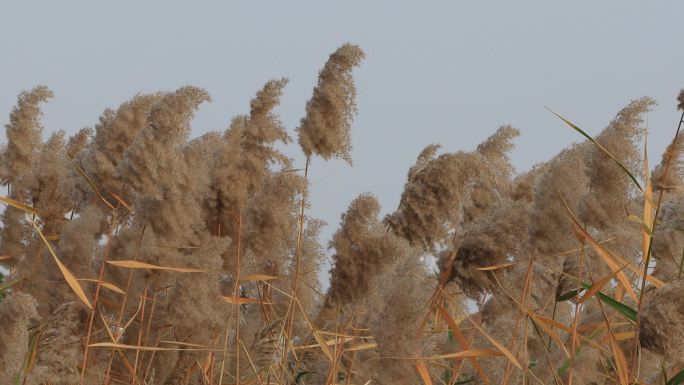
139,254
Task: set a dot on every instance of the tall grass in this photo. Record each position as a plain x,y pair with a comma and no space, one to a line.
140,255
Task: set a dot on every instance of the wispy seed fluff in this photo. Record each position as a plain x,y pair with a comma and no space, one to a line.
621,138
16,312
661,329
325,130
444,191
243,158
60,346
673,178
114,133
363,247
155,169
78,142
24,133
488,241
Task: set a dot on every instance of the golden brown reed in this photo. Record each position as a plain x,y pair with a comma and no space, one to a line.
199,258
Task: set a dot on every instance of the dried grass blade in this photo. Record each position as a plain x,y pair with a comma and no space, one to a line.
105,284
620,360
130,264
499,346
331,342
356,348
18,205
243,300
319,338
68,276
32,353
146,348
625,335
258,277
552,333
596,288
495,267
92,185
122,201
472,353
604,253
424,374
453,325
554,323
184,344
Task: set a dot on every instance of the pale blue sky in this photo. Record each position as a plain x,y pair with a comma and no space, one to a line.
448,72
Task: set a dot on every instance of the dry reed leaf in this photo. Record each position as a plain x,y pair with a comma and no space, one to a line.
236,300
5,257
147,348
258,277
122,201
326,333
142,265
655,281
537,321
603,252
472,353
495,267
105,284
183,344
424,374
355,348
554,323
622,336
456,331
70,279
107,327
569,330
327,342
611,258
548,330
18,205
32,353
596,287
314,330
92,185
620,360
591,327
206,367
499,346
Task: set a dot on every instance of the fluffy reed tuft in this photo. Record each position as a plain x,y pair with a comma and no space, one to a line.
325,129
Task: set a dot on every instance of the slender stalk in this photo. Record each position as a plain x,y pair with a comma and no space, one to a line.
573,348
237,305
298,253
140,332
523,300
300,234
123,306
237,312
97,293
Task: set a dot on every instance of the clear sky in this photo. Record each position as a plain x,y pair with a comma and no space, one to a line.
448,72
